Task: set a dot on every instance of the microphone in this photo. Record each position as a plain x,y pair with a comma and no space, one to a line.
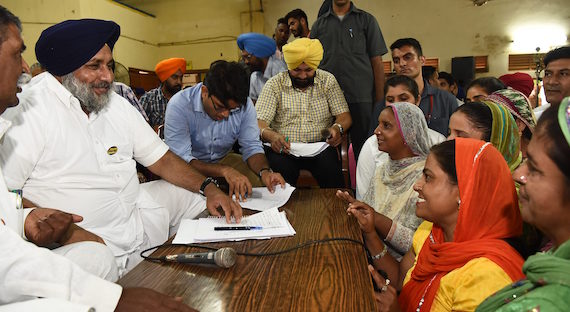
223,257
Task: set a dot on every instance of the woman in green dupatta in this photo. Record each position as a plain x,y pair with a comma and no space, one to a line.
545,202
489,122
519,106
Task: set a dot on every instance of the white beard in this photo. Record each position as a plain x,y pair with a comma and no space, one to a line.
90,101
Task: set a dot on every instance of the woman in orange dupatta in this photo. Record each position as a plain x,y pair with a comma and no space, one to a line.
473,208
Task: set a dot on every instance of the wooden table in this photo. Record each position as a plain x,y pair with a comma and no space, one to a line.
325,277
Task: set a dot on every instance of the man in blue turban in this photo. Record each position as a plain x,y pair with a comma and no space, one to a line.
29,272
76,143
258,53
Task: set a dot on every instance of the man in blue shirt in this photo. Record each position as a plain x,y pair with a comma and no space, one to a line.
203,122
437,105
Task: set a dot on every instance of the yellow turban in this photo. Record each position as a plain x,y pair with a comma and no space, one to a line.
303,50
168,67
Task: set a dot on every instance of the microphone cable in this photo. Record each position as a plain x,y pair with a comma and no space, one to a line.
248,254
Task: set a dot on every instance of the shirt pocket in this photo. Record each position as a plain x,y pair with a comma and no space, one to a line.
357,41
116,153
318,107
290,108
225,139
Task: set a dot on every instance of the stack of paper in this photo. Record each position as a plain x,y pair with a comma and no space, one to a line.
261,199
272,223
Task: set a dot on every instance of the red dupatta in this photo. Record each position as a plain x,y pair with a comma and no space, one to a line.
488,213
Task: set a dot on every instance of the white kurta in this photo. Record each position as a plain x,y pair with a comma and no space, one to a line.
28,271
64,159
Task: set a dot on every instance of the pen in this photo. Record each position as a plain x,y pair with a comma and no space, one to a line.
237,228
350,31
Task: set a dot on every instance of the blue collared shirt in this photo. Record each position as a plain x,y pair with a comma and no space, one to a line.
275,65
437,116
192,134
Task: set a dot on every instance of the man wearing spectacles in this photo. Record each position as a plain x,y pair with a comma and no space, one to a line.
203,123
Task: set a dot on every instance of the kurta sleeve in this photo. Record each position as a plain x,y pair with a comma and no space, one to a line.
29,272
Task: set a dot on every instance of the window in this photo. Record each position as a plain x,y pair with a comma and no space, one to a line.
525,61
481,64
387,66
433,61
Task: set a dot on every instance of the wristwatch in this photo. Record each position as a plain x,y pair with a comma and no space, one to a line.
263,169
341,130
207,181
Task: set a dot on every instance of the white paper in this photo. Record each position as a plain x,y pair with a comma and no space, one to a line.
306,149
186,232
273,222
262,199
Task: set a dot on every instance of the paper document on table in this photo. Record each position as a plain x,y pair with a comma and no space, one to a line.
306,149
261,199
272,222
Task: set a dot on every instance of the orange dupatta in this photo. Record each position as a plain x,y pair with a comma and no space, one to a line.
488,214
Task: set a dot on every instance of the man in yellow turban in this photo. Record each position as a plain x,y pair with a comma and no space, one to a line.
169,72
303,105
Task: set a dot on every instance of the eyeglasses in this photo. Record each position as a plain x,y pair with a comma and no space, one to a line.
219,108
246,57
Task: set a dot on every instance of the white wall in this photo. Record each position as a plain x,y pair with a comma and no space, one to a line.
450,28
39,15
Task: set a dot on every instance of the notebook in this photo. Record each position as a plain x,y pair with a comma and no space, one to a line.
272,222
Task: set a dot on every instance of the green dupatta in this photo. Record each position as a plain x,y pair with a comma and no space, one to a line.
505,134
547,287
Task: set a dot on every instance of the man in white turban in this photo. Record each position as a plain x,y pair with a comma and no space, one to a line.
303,105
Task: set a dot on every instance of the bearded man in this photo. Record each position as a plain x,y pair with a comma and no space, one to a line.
259,53
74,143
169,72
298,105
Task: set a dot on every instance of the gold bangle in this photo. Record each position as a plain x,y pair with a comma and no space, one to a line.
261,134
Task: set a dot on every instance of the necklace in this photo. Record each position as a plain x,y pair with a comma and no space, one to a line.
425,292
431,281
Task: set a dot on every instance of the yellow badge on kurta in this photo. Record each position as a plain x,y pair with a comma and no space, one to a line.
112,150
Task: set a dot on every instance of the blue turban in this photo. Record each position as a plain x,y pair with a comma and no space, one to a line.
257,44
64,47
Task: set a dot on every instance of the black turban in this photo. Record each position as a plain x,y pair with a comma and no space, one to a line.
64,47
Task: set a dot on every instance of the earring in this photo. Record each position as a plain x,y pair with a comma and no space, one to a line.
458,203
522,178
